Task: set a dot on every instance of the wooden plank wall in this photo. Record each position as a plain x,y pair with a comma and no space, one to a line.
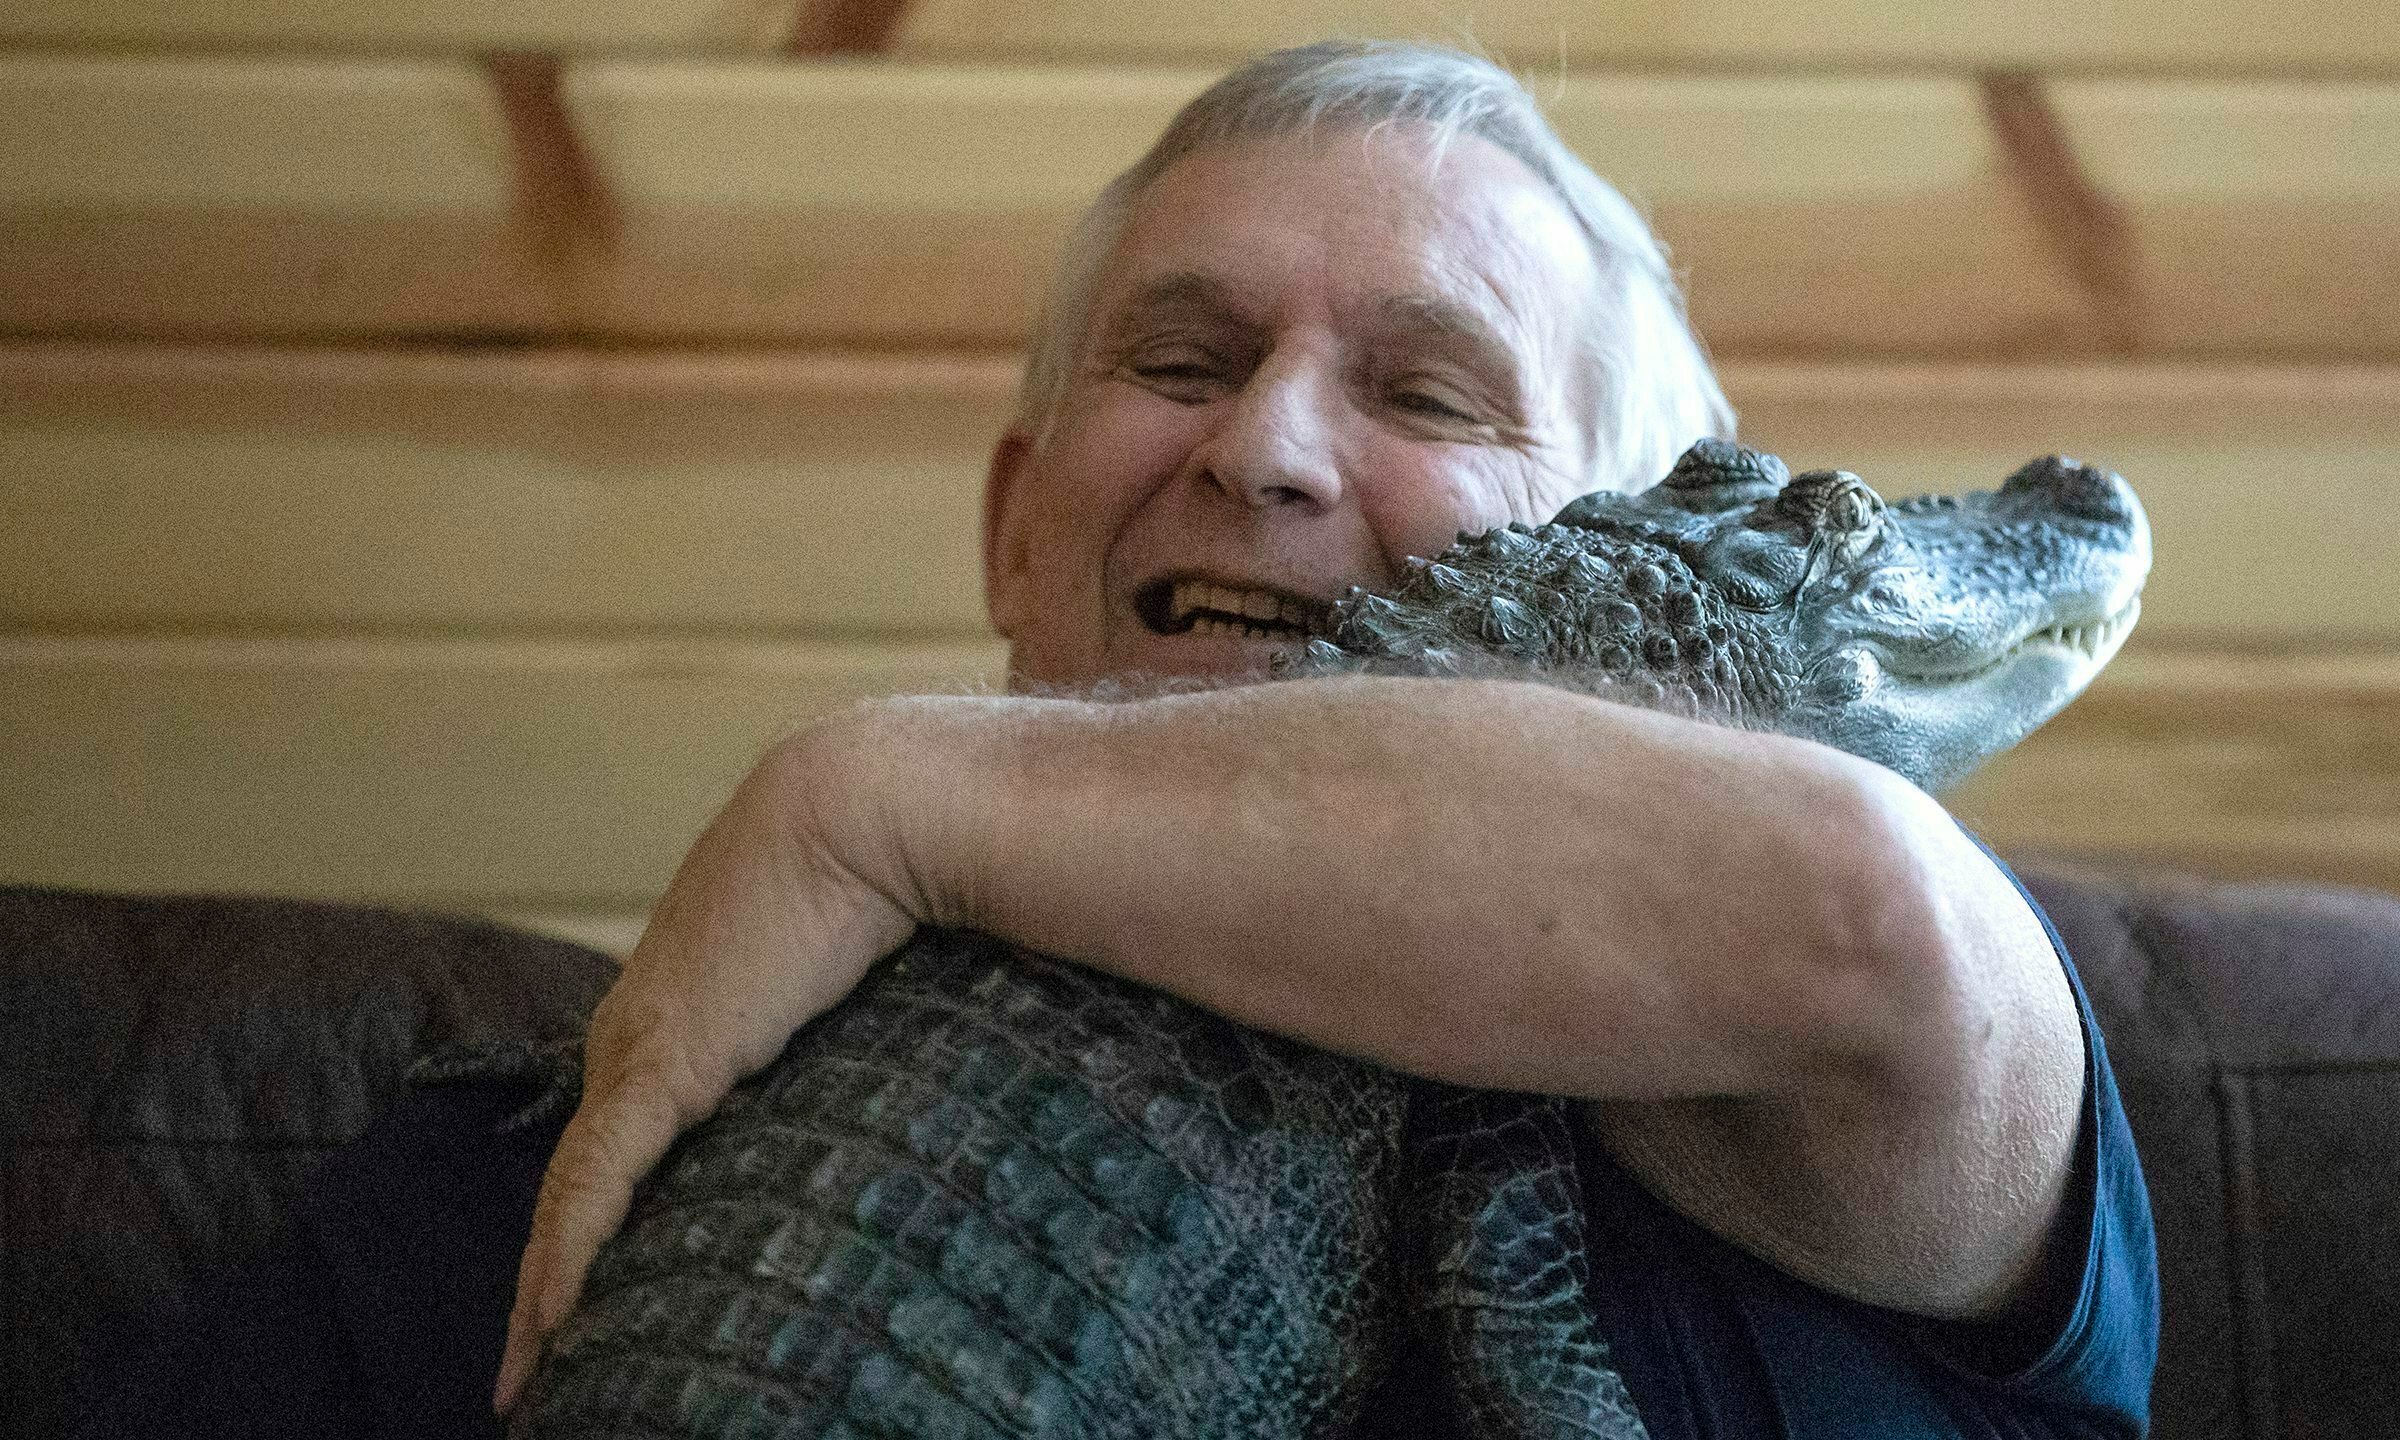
440,444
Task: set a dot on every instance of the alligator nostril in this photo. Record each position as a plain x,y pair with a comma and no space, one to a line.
2096,494
2036,475
2085,491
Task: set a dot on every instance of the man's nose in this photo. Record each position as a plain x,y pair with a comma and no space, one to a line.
1278,443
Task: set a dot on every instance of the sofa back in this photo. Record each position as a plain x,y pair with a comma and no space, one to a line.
2255,1033
171,1068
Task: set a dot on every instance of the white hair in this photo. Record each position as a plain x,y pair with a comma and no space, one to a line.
1656,393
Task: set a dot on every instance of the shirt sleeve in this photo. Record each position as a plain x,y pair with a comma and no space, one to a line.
2098,1359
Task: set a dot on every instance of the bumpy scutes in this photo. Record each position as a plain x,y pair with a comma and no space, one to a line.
992,1195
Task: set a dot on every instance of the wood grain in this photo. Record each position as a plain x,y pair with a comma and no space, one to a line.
2087,231
456,27
2264,217
921,206
2315,36
560,492
2242,763
845,27
554,774
2312,36
564,208
223,196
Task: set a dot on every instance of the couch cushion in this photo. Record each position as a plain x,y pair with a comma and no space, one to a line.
172,1068
2255,1034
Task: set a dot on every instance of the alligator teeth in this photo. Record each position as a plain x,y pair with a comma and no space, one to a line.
2089,639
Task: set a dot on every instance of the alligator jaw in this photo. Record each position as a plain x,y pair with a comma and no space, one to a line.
1935,729
2085,640
2095,641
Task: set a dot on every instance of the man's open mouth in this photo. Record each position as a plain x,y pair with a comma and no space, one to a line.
1202,607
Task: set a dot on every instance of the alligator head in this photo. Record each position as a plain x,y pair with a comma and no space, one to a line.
1924,635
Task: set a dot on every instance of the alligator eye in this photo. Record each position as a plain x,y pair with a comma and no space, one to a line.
1718,475
1834,510
1838,516
1852,510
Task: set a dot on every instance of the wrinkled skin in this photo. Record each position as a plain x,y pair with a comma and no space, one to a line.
994,1195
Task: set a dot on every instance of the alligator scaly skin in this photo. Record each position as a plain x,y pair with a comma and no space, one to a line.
1498,1274
994,1195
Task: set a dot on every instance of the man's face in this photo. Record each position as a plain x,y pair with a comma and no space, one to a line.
1308,360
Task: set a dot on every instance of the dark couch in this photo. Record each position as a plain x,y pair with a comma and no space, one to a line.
170,1070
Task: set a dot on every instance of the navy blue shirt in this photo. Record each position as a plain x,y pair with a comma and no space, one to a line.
1713,1342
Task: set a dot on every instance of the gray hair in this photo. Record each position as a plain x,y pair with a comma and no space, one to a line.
1656,394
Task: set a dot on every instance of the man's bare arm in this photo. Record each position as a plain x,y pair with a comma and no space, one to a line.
1870,1061
1492,883
1497,885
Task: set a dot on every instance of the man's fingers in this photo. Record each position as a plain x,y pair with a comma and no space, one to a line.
517,1356
611,1143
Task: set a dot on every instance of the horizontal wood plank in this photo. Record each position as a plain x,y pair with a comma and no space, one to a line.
831,495
2309,35
241,133
569,492
915,205
213,196
848,203
455,26
561,782
1861,217
2238,764
2260,217
553,775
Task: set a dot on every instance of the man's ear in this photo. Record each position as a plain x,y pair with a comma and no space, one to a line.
1004,520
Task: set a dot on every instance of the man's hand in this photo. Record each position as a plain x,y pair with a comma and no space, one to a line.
770,921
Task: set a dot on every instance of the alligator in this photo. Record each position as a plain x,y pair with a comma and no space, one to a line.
1926,636
993,1194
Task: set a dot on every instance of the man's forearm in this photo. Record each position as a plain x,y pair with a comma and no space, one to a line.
1568,896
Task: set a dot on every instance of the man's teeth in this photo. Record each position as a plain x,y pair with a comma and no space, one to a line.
1223,610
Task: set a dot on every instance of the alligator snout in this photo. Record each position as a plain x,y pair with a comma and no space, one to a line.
2074,488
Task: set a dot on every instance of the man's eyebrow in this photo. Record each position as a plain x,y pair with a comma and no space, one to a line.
1178,294
1450,325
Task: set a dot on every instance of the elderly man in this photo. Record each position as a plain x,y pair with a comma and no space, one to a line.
1357,300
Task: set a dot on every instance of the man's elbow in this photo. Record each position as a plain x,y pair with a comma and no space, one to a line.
1952,987
1905,937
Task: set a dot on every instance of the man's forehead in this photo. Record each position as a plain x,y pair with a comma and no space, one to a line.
1467,248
